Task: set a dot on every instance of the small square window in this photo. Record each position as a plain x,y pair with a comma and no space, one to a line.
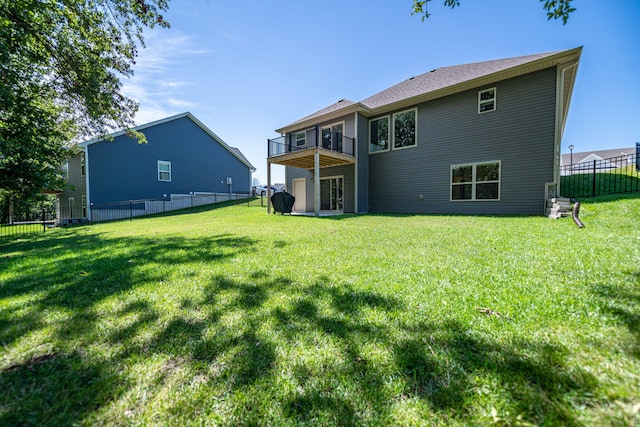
164,171
487,100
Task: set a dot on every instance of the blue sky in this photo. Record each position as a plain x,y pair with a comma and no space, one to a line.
247,68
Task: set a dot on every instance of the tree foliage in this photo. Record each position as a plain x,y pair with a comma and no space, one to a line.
555,9
61,62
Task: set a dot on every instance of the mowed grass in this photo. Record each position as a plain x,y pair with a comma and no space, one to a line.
230,316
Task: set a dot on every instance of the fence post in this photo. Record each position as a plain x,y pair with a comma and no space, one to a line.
594,179
44,224
130,210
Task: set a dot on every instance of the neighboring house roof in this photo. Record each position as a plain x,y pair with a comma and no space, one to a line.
441,82
234,151
590,156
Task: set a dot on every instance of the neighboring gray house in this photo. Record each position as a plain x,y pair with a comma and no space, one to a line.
480,138
612,158
182,157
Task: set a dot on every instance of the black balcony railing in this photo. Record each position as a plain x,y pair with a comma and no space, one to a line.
313,138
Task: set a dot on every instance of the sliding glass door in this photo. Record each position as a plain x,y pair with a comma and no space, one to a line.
331,194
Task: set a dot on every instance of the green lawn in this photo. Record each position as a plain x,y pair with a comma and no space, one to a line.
617,181
230,316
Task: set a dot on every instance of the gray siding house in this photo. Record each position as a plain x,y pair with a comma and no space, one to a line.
182,156
480,138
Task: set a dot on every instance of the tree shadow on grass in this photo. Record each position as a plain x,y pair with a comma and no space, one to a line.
77,283
448,367
623,302
56,389
280,351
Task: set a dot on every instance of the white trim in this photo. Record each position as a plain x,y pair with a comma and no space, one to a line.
494,100
389,138
86,186
165,162
557,137
322,178
355,167
473,181
304,196
393,129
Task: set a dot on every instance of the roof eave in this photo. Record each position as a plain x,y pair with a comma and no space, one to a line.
336,114
169,119
564,59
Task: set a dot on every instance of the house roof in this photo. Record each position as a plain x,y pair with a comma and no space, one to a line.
596,155
440,82
234,151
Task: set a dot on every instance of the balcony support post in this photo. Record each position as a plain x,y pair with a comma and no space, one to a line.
316,183
268,187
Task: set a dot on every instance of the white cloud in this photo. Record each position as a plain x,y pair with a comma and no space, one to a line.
157,84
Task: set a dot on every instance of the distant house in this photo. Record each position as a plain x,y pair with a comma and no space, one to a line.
481,138
182,156
613,158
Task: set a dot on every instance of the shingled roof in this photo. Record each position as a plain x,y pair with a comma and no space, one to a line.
441,82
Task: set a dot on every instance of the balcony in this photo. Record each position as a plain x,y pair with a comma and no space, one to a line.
332,149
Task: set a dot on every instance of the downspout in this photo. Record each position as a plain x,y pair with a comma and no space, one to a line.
558,128
561,115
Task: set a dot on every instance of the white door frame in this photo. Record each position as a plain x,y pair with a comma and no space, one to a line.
341,178
300,204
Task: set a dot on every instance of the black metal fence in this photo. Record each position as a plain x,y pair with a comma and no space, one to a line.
616,175
39,221
134,208
23,223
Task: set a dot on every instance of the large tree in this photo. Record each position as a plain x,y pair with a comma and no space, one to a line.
555,9
61,64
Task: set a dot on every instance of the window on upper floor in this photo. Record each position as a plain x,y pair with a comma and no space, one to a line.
301,139
404,129
82,164
476,181
379,135
65,170
487,100
164,170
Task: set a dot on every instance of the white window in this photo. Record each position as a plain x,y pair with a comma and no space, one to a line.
65,170
487,100
379,135
301,139
404,129
164,170
476,181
